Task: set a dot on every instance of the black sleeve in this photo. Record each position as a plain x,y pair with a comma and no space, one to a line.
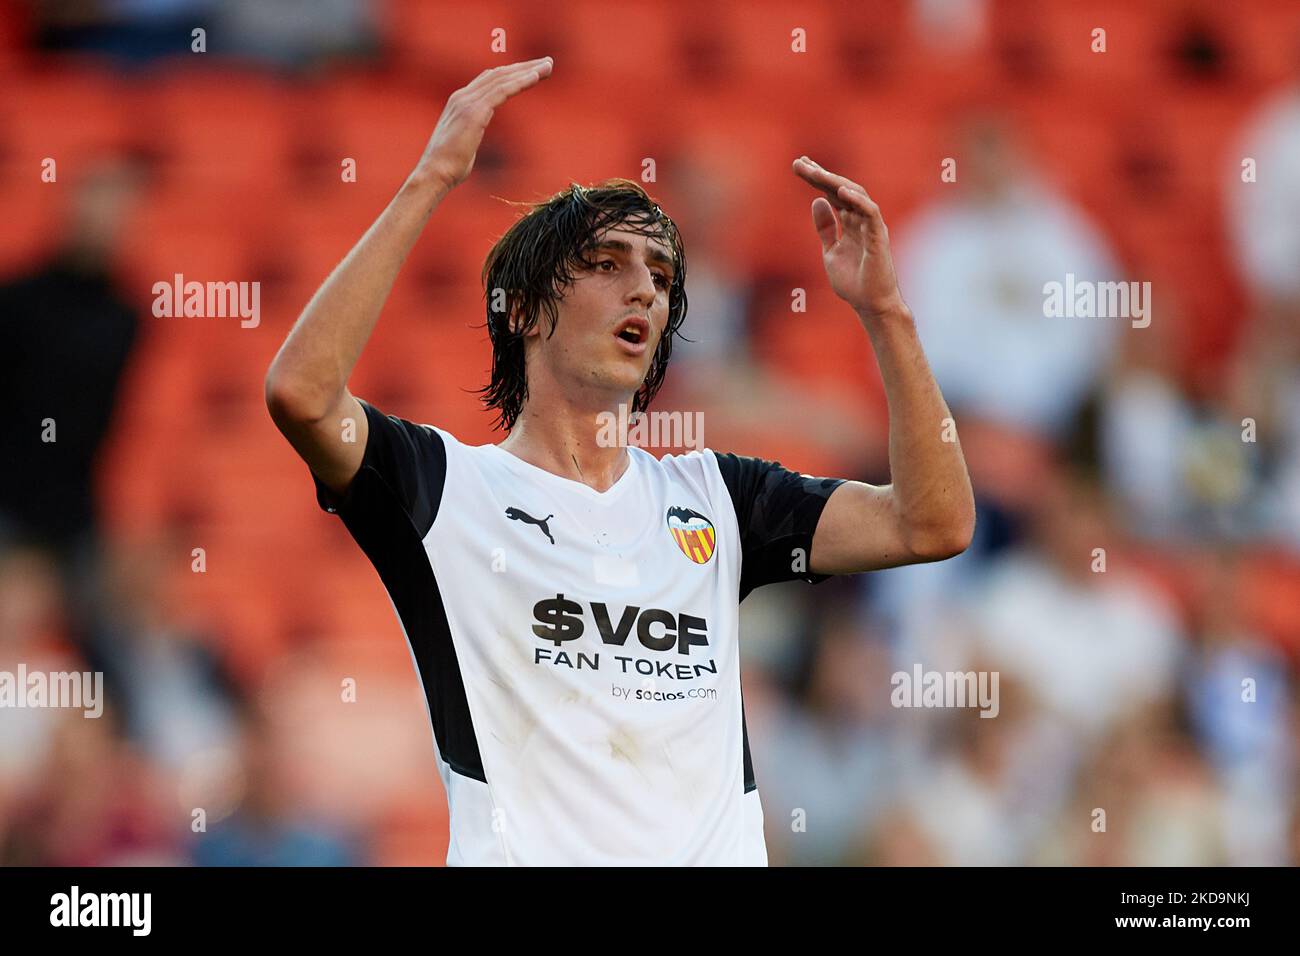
402,473
777,510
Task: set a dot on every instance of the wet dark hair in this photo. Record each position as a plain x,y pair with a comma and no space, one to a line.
536,260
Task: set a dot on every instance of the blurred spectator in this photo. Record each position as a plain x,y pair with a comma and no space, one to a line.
178,699
973,269
703,204
95,803
1089,641
1264,223
822,759
297,34
1238,698
950,27
1265,404
992,785
1177,464
68,332
33,631
131,31
925,605
1264,214
290,34
268,829
1145,798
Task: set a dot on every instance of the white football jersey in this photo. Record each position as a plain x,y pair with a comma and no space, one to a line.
579,649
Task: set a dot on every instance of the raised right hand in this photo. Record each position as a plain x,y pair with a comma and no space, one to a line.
449,157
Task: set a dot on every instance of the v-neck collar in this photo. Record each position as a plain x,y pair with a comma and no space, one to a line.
613,491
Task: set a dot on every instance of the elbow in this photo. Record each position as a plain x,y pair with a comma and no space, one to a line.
279,401
944,540
287,401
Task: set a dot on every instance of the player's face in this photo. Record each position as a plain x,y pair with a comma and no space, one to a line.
612,318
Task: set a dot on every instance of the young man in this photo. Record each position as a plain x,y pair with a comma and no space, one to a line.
572,606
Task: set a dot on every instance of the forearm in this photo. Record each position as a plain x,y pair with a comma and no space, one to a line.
313,365
931,487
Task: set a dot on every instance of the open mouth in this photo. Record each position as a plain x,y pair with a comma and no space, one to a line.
635,331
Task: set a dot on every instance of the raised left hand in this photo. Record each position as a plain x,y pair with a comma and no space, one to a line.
855,242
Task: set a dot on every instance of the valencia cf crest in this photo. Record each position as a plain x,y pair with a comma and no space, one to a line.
693,533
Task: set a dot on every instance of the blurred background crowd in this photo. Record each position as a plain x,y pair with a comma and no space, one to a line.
1161,690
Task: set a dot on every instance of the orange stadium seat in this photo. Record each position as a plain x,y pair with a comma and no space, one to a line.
16,28
227,599
585,141
1203,130
222,129
1266,41
422,369
632,47
825,344
455,39
383,126
1072,142
1062,34
449,256
200,231
763,38
33,215
70,115
895,149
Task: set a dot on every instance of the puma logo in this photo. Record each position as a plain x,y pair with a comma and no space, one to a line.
514,514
